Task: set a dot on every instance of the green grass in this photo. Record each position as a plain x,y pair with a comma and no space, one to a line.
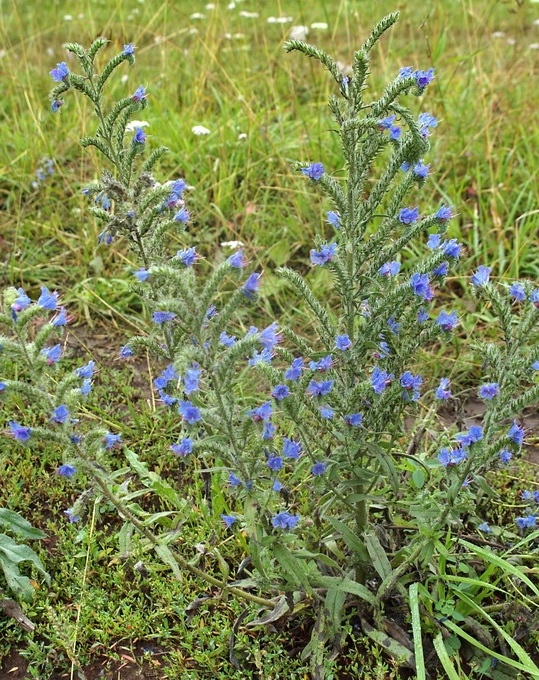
484,158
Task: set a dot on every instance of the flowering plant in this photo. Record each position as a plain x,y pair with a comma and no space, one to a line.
333,494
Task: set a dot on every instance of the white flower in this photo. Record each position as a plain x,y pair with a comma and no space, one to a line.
124,78
533,46
242,135
536,22
130,127
231,5
512,41
197,15
2,54
232,244
498,34
192,31
200,130
280,20
68,17
210,5
320,25
299,32
80,16
248,15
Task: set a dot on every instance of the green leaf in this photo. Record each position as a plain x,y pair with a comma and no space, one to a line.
14,522
446,662
293,567
418,477
416,629
378,556
345,585
166,555
351,539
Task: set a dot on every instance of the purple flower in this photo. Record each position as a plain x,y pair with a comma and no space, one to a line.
260,413
269,430
409,215
380,380
383,351
142,274
60,414
516,433
324,255
166,376
411,383
535,366
421,287
291,448
481,276
227,340
526,522
228,520
354,419
343,342
422,316
424,77
184,447
534,297
314,171
140,94
182,215
421,170
162,317
517,292
251,285
321,388
60,72
390,268
484,527
211,312
386,123
139,136
334,219
285,520
110,440
395,132
443,392
86,371
269,337
451,248
275,463
2,386
61,319
449,458
187,257
441,269
129,49
233,480
323,364
393,325
447,321
294,372
280,392
191,378
326,412
405,166
18,431
505,456
445,213
22,302
56,104
318,469
236,260
188,412
489,391
126,352
53,354
48,300
406,72
66,471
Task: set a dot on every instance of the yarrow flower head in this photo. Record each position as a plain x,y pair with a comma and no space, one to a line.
314,171
324,255
481,276
489,391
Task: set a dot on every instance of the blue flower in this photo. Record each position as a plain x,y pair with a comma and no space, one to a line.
421,170
291,448
263,412
409,215
406,72
182,215
422,315
86,371
443,392
425,120
326,412
265,356
233,480
535,366
318,469
411,383
424,77
489,391
323,364
129,49
451,248
22,302
236,260
387,122
380,380
516,433
390,268
277,486
481,276
227,340
285,520
321,388
2,386
53,354
191,378
447,321
445,213
269,337
343,342
275,463
405,166
110,440
228,520
484,527
61,319
162,317
314,171
18,431
505,456
526,495
383,351
60,72
86,387
441,270
324,255
393,325
188,256
211,312
166,376
139,137
334,219
294,372
534,297
56,104
48,300
354,419
251,285
517,291
421,287
188,412
126,352
280,392
66,471
526,522
166,398
60,414
434,241
474,434
72,516
395,132
140,94
449,458
269,430
184,447
142,274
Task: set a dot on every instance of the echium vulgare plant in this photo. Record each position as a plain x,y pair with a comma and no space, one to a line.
321,476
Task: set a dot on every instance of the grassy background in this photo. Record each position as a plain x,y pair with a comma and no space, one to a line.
229,73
